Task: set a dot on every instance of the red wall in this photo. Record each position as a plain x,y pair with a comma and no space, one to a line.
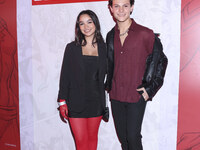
41,2
9,98
189,86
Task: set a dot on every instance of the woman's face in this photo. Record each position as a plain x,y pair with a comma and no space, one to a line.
86,25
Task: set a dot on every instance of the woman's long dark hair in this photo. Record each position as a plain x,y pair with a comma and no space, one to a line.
79,37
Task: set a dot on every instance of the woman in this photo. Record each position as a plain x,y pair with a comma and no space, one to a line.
81,93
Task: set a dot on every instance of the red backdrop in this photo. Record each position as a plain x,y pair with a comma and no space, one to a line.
9,99
41,2
189,86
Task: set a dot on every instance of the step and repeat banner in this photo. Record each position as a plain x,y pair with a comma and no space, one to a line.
53,26
43,2
9,98
43,29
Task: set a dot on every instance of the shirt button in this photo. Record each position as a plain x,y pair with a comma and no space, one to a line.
121,52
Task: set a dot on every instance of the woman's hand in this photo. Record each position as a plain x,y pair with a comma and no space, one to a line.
144,94
63,111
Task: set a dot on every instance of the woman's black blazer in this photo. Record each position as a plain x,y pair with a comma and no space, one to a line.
71,87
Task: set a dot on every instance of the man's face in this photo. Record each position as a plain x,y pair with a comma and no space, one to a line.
121,10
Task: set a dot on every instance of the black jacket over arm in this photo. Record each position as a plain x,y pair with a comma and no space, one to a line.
72,86
156,64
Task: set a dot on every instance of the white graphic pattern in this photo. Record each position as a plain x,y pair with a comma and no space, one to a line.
39,69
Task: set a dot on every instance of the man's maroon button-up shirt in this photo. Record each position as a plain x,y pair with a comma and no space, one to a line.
130,61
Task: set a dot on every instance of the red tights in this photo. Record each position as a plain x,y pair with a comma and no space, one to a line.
85,131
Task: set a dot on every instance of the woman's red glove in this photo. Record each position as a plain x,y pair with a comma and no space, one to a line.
63,110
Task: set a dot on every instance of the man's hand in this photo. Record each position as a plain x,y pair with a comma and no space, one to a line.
144,94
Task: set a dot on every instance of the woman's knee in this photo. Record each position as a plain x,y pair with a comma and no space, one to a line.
81,143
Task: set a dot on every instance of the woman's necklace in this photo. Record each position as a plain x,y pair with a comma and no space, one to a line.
122,34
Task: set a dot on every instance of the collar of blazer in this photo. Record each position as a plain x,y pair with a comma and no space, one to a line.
101,53
101,48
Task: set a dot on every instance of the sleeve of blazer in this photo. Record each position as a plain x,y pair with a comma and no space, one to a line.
64,76
159,61
110,59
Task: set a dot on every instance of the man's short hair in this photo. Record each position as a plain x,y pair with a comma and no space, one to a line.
111,2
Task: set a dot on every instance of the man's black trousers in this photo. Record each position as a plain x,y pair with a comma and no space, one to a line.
128,122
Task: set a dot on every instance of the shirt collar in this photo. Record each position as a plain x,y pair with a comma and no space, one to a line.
133,24
131,28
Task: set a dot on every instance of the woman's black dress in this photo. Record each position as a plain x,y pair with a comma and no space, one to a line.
94,106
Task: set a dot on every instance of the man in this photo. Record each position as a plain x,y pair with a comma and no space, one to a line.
136,68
